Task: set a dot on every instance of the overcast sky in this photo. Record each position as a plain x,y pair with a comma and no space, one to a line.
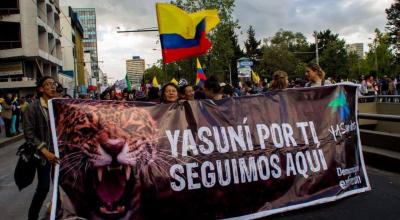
353,20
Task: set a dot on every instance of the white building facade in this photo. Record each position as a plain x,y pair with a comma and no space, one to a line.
30,45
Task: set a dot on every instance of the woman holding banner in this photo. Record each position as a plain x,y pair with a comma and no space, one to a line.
315,76
169,93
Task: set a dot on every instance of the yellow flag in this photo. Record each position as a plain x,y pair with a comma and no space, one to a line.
155,82
173,20
174,81
255,77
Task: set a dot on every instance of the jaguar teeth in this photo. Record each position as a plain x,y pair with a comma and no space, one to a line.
100,173
127,172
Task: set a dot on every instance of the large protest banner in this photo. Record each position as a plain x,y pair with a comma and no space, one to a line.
243,157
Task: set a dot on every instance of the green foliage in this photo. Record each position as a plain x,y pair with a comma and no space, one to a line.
393,15
154,70
218,60
252,45
333,55
381,57
287,51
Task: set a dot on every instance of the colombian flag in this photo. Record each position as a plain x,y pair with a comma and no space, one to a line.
200,77
183,35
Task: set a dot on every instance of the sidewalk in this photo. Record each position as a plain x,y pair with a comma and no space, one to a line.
4,141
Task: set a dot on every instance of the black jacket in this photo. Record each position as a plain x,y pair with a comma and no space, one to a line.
37,126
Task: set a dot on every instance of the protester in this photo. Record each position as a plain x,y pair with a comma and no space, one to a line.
199,93
186,92
37,132
15,116
153,94
279,80
227,91
7,113
105,95
66,96
24,107
264,86
248,88
169,93
315,76
237,91
212,88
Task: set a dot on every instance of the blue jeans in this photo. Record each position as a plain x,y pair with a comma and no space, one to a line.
13,129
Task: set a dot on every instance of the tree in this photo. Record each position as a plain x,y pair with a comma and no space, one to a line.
393,27
219,58
156,71
278,57
252,45
333,55
381,58
353,65
295,42
288,51
237,53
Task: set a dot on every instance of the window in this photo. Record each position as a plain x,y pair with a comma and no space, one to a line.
12,37
9,7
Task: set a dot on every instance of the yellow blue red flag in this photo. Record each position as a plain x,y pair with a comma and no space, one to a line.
183,34
200,76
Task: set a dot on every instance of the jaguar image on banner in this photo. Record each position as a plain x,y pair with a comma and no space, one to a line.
243,157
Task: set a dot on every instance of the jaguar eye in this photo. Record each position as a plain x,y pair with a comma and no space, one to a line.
85,130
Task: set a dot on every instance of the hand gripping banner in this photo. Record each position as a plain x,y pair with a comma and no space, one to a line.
244,157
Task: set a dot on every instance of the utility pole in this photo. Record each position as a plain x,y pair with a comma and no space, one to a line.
316,46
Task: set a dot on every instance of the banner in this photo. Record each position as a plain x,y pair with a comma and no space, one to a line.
246,157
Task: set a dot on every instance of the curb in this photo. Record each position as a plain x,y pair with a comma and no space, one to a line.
11,140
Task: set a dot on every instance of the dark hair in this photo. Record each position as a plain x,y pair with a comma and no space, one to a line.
67,96
182,89
40,82
163,90
153,93
212,84
60,88
248,83
228,90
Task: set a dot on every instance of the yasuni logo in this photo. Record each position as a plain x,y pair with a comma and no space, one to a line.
340,105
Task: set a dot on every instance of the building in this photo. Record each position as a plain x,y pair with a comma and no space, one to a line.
88,18
30,45
88,68
358,48
72,74
135,70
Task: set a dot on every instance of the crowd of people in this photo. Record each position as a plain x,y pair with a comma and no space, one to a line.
33,111
12,107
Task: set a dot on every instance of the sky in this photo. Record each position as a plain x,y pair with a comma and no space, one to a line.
354,21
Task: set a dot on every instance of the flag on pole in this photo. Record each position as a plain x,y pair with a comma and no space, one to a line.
183,35
174,81
128,83
255,76
200,76
155,82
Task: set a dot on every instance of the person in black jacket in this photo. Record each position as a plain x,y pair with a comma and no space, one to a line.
37,131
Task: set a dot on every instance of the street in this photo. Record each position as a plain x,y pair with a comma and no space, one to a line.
381,202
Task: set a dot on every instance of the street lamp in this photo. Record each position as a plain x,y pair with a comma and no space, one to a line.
316,46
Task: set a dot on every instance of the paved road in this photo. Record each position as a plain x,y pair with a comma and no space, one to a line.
383,202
